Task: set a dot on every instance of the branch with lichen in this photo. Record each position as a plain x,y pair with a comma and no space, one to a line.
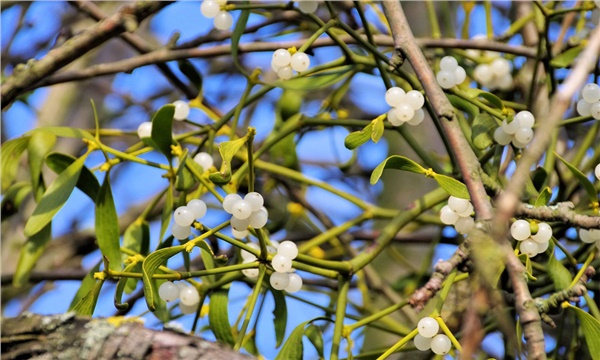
441,270
562,212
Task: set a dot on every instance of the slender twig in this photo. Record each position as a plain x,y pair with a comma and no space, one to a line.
562,212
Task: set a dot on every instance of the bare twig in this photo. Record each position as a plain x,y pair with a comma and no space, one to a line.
562,212
128,17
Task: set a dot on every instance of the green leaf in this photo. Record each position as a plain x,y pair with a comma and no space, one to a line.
238,31
279,316
189,70
87,182
566,58
590,327
396,162
357,138
483,131
493,99
218,317
30,253
107,226
137,237
185,179
544,197
54,198
528,266
86,306
452,186
463,105
38,147
167,213
86,284
377,130
530,190
538,177
64,131
317,81
315,335
149,267
121,288
227,149
208,257
160,312
11,154
560,275
13,197
293,349
583,180
162,130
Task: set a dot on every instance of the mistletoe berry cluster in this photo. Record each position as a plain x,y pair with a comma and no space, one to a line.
458,213
519,131
284,63
450,74
428,337
590,101
406,106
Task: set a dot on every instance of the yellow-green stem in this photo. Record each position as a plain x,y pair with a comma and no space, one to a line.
252,303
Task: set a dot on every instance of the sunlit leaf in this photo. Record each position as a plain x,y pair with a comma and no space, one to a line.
65,131
590,327
560,275
167,213
544,197
452,186
30,253
13,197
11,154
396,162
315,335
293,349
86,306
483,131
38,147
279,316
86,284
87,182
218,317
149,267
107,226
357,138
54,198
162,129
377,130
238,31
566,58
121,285
491,98
583,180
463,105
228,149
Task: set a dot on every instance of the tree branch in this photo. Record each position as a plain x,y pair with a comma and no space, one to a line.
128,17
562,212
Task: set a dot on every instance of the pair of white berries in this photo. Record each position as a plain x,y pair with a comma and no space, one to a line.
590,101
284,277
450,74
495,75
428,337
531,245
182,110
458,213
590,236
184,216
519,131
284,63
188,295
406,106
597,172
245,212
212,9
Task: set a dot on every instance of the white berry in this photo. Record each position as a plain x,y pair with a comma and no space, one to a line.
168,291
189,296
483,74
500,67
415,99
281,263
279,281
405,112
285,73
307,6
428,327
204,159
511,127
223,20
393,117
526,119
300,61
448,216
255,200
145,129
464,225
595,110
183,216
281,57
198,208
228,202
181,232
417,118
294,283
597,171
446,79
394,96
529,247
460,75
467,212
248,255
584,108
258,219
591,93
501,137
524,135
457,204
210,8
422,343
188,309
241,209
520,230
448,63
589,236
239,224
441,344
544,233
182,110
250,273
239,234
542,247
288,249
519,145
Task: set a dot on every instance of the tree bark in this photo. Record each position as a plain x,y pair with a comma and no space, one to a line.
67,336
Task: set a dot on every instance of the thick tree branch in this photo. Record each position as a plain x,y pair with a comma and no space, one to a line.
562,212
128,17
